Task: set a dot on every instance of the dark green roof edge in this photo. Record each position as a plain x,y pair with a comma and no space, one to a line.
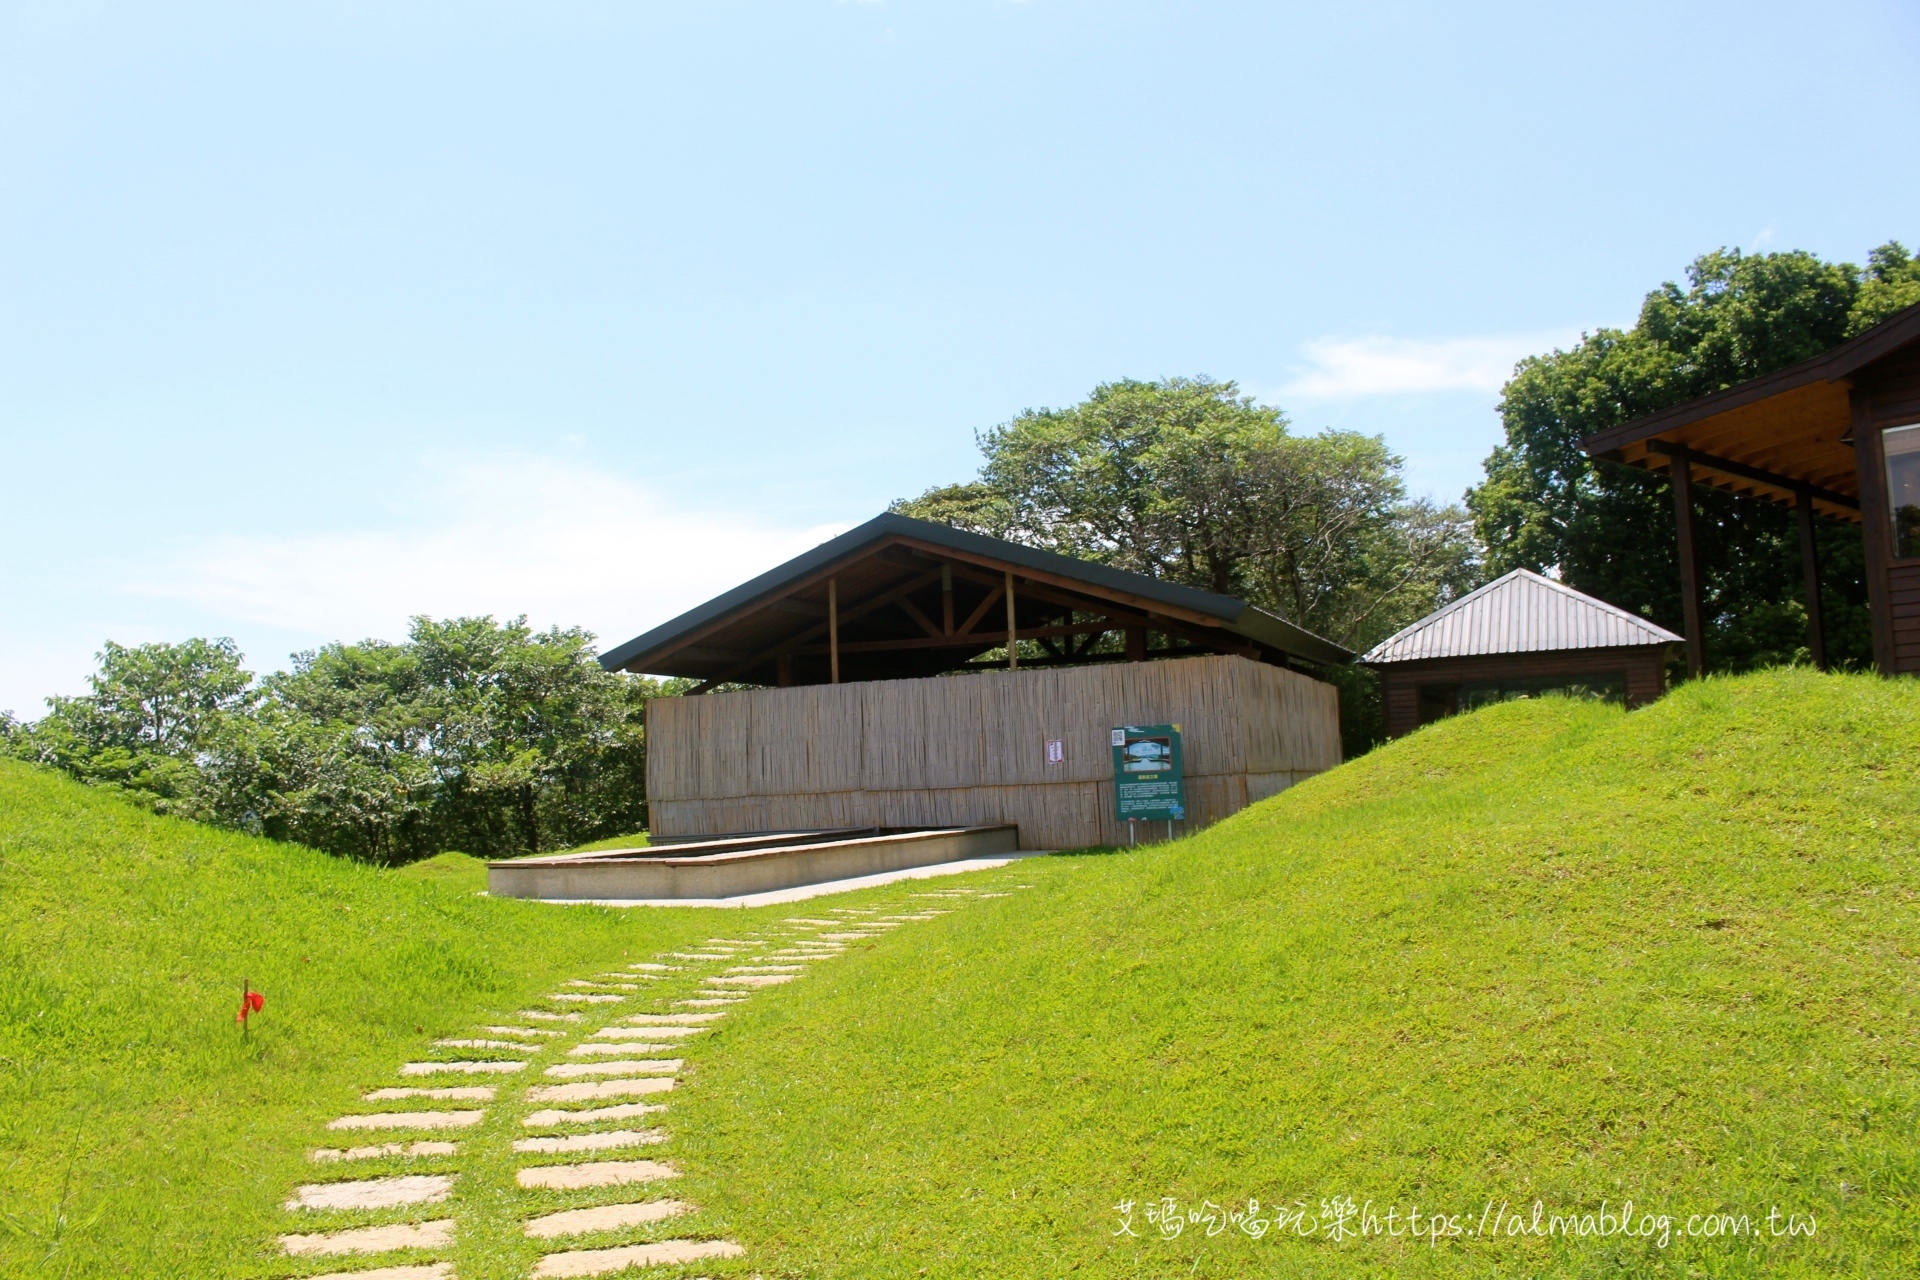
1236,616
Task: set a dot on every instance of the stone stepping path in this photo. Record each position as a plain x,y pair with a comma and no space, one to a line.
373,1193
409,1120
594,1089
592,1141
401,1235
404,1150
456,1093
604,1173
578,1072
608,1217
623,1067
598,1262
553,1117
466,1068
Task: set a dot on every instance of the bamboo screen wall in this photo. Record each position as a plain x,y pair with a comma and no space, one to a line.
971,749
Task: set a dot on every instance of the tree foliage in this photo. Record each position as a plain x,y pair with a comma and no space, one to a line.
1191,481
1609,530
474,735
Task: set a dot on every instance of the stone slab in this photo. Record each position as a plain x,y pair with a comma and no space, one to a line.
579,997
511,1046
409,1120
592,1048
752,979
431,1271
400,1235
407,1150
605,1173
540,1032
547,1015
625,1067
552,1116
599,1262
606,1217
611,1141
743,872
373,1193
465,1068
651,1031
454,1093
588,1090
651,1019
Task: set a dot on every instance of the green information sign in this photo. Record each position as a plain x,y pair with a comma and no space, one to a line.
1149,774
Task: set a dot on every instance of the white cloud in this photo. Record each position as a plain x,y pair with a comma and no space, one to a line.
1347,368
560,543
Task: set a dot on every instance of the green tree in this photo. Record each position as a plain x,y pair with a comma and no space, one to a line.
474,735
153,715
1193,482
1609,530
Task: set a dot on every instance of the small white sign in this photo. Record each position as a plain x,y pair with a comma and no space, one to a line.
1056,751
1119,737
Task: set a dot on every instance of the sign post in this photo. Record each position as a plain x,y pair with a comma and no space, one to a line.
1149,775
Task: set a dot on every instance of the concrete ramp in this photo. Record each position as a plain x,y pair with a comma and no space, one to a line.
740,865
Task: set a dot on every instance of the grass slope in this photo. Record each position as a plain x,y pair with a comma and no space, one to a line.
139,1133
1548,951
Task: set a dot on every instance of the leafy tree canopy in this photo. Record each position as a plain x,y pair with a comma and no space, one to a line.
476,735
1191,481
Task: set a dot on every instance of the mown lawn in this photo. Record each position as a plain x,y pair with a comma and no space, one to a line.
1544,953
140,1133
1548,952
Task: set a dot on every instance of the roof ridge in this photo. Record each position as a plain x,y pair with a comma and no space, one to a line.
1388,650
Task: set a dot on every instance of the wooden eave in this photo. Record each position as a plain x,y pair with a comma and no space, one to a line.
1773,437
890,579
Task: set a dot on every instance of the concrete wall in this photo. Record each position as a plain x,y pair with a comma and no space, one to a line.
970,750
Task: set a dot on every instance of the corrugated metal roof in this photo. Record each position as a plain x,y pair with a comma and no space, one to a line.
1521,612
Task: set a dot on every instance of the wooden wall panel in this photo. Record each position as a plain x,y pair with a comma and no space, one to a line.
1642,666
964,750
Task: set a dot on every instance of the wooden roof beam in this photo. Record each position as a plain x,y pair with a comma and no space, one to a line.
1787,484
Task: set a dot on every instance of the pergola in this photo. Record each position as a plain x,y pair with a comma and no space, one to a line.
1818,436
898,598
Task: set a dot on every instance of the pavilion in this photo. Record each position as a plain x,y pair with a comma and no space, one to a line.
1835,436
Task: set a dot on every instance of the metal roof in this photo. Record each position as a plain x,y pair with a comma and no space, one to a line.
1521,612
647,652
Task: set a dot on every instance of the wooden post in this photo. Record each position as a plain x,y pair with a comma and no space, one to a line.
1876,527
1682,473
1810,572
783,671
833,627
1136,644
1013,629
946,599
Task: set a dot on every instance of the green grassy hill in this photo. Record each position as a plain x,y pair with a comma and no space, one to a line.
1545,952
140,1135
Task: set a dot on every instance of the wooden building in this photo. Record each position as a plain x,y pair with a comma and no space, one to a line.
915,675
1836,437
1518,636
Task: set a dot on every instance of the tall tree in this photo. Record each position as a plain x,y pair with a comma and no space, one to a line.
1609,530
1191,481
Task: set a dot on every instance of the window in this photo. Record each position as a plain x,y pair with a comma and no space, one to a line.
1903,487
1604,688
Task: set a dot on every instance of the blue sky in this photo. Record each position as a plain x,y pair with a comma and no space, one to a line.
312,318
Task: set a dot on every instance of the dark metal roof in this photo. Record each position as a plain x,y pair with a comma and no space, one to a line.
662,650
1521,612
